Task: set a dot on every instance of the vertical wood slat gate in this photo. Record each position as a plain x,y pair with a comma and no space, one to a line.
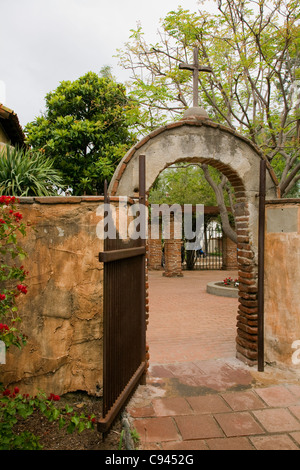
261,266
124,317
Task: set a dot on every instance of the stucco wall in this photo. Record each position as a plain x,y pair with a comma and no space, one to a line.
282,283
62,311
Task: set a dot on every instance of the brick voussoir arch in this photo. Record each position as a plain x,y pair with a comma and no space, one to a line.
201,140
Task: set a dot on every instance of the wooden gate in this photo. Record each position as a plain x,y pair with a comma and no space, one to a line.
124,317
261,267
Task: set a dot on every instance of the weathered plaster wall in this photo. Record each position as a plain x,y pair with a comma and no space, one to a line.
282,283
62,311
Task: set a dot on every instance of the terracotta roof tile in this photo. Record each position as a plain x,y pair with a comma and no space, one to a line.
11,125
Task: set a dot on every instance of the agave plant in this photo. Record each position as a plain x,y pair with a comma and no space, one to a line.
25,172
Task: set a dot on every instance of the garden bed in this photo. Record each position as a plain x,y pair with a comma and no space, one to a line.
219,288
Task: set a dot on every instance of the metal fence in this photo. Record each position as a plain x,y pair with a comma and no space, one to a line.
210,255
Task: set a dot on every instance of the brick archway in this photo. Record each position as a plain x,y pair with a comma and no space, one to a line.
195,139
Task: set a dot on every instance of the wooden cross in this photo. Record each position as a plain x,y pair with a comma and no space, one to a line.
196,68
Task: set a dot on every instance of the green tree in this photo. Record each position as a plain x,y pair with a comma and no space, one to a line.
253,49
182,184
25,172
196,184
86,129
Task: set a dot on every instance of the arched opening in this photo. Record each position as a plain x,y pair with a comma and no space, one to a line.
202,141
191,185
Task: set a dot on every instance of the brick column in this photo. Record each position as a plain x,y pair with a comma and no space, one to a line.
229,254
154,251
248,306
172,250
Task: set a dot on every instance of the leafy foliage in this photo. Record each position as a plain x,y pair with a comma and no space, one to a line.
185,185
27,173
86,130
12,274
253,49
15,407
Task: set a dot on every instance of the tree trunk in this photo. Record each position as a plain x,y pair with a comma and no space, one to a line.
218,189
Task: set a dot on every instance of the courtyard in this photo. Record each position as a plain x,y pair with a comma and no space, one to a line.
185,322
198,395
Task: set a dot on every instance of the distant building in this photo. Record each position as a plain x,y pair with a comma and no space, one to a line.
11,132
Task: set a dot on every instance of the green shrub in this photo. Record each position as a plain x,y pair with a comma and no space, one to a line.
27,173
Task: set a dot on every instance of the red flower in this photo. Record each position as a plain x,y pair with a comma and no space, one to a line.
2,221
4,327
22,288
7,200
18,216
2,297
16,390
6,393
54,397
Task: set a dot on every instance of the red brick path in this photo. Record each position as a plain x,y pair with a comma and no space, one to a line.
187,323
198,396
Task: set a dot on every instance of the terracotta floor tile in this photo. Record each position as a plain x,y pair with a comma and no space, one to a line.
220,377
212,367
296,436
171,300
156,429
242,401
141,412
208,404
230,443
295,410
276,442
188,380
198,427
161,371
185,445
171,406
185,368
152,446
192,357
238,424
277,420
295,389
278,395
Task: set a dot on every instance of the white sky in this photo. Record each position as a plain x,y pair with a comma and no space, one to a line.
43,42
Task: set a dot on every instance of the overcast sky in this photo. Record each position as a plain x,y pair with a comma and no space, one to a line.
43,42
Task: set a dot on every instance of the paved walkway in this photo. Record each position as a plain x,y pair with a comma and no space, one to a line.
198,396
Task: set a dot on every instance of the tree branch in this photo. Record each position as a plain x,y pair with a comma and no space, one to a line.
218,189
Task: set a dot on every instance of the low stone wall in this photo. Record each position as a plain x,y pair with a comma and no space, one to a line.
282,282
62,311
